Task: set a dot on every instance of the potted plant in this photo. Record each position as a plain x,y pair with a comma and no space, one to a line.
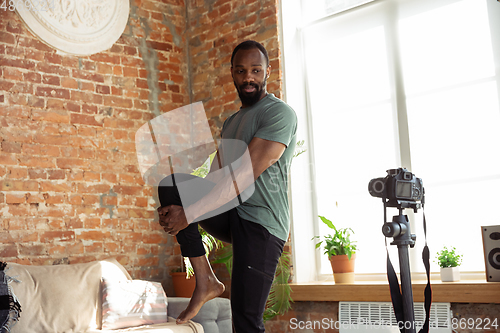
449,261
183,283
341,252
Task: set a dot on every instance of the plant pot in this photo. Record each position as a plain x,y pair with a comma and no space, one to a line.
183,287
450,274
343,268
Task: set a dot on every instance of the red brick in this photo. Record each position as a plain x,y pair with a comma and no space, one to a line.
59,236
11,147
160,46
88,65
68,82
118,102
77,118
33,77
15,27
153,238
106,58
8,38
15,198
34,43
103,89
55,116
8,251
50,139
52,92
56,174
87,76
130,72
90,199
32,250
93,235
54,198
92,223
100,188
52,69
19,185
37,174
75,199
6,85
71,163
55,211
12,74
89,109
86,86
35,198
50,186
18,173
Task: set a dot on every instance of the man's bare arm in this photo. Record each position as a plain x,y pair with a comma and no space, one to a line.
262,154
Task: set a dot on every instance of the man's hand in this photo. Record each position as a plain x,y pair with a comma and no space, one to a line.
172,219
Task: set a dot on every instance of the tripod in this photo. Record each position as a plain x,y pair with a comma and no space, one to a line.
400,230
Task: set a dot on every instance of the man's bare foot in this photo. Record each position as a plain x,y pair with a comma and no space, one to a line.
207,287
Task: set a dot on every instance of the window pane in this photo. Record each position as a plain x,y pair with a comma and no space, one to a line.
353,134
446,46
454,119
316,9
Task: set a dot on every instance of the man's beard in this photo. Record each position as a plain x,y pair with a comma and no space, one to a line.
249,99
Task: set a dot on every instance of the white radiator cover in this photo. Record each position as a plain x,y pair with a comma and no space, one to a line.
379,317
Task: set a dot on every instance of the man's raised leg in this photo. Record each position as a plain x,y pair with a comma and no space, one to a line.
207,284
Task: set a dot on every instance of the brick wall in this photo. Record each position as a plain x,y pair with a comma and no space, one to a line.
70,186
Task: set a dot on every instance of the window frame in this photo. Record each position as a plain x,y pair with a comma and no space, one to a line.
296,92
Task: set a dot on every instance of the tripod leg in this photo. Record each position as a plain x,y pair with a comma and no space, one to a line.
406,290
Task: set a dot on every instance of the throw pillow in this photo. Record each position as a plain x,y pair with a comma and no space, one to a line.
132,303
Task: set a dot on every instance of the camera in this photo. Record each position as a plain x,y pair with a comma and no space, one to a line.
399,186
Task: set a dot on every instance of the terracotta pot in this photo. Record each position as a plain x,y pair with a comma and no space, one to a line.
343,268
183,287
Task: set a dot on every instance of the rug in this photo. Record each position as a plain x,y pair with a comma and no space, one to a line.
10,309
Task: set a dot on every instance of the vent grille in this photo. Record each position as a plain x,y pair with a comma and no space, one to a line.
368,316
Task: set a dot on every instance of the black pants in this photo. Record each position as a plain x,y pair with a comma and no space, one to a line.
255,251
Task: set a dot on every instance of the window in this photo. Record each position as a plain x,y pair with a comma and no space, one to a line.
387,84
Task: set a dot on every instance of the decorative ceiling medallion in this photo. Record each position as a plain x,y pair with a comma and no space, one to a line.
79,27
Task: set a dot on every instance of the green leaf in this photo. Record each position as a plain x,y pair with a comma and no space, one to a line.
279,297
339,243
328,222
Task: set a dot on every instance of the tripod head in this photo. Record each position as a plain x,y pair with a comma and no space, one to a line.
400,230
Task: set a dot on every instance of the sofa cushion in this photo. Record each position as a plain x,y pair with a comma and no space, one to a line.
132,303
214,315
61,298
168,327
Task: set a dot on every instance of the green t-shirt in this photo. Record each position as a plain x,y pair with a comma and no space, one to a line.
269,119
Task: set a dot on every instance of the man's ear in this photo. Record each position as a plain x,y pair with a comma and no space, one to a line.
268,71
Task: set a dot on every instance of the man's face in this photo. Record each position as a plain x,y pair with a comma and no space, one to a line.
250,71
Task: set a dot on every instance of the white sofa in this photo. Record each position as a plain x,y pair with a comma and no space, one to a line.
68,299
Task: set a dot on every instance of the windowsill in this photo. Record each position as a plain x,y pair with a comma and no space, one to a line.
464,291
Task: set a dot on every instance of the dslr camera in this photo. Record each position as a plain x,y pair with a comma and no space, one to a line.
400,187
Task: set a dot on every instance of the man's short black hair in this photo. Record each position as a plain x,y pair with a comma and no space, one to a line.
248,45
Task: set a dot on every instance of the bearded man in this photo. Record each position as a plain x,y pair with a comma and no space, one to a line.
258,225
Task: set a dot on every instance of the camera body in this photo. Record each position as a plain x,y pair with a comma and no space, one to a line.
398,187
